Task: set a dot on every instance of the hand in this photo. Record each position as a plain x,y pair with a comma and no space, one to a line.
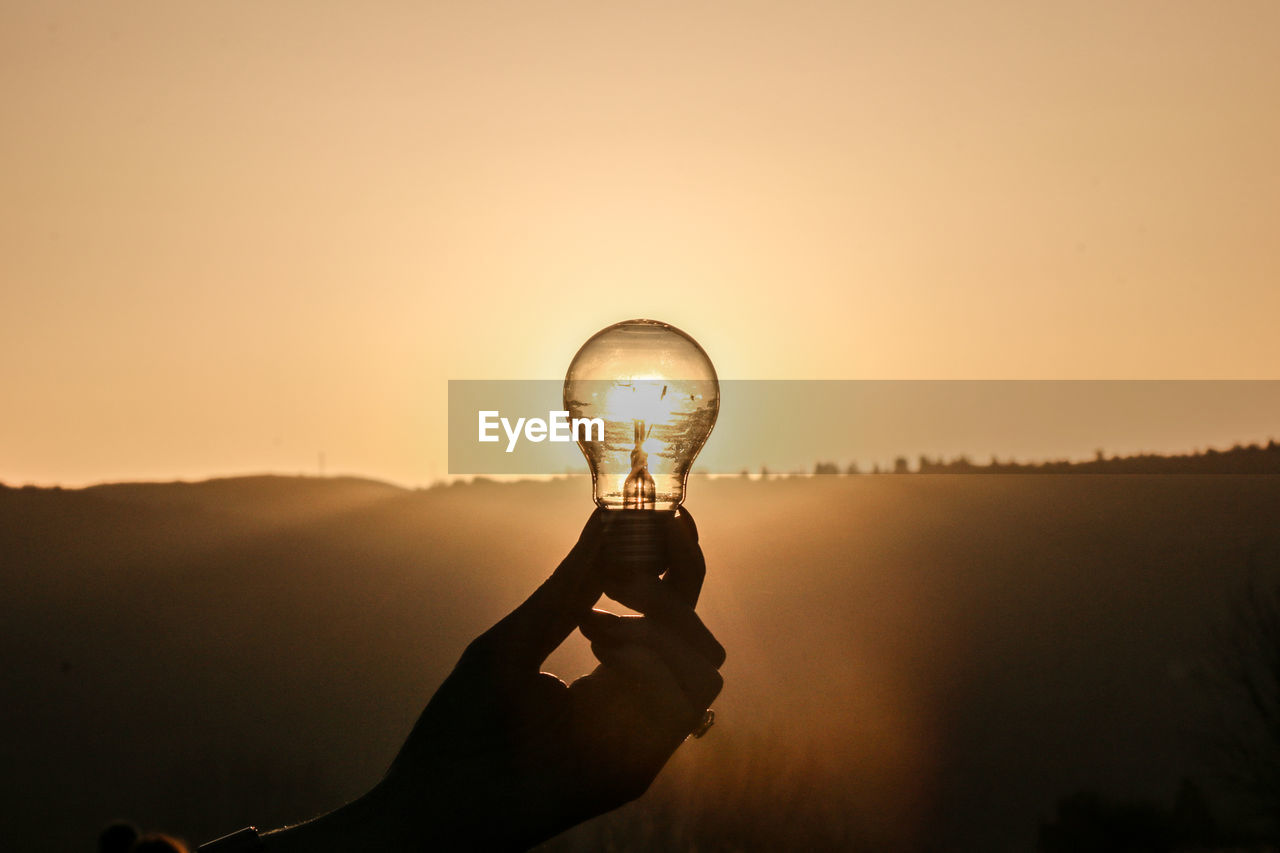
505,756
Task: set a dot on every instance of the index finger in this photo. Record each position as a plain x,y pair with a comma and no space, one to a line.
531,632
687,567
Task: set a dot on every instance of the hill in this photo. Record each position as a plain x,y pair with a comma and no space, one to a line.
924,662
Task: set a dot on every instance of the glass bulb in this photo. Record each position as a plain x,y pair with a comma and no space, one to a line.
657,393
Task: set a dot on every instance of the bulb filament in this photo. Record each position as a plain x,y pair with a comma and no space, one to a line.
639,490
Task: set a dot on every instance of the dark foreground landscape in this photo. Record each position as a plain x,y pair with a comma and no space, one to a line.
915,662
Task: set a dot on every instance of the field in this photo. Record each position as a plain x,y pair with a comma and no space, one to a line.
916,662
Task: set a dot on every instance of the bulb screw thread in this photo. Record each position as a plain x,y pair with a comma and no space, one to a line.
635,541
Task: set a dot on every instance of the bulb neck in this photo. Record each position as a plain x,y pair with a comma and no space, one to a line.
634,541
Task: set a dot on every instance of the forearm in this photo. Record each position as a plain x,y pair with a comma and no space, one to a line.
388,820
370,823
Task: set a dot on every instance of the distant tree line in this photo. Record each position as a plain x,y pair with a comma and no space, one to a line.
1240,459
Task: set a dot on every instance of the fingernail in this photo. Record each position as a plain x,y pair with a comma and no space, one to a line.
600,623
601,620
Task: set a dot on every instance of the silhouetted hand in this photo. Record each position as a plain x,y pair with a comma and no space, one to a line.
505,756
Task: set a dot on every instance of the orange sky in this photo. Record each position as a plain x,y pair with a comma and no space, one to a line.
236,234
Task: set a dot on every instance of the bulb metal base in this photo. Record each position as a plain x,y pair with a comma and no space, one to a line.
634,542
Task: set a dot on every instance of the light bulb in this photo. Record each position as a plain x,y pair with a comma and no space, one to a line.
656,391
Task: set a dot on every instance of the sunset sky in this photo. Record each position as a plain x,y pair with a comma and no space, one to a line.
234,235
